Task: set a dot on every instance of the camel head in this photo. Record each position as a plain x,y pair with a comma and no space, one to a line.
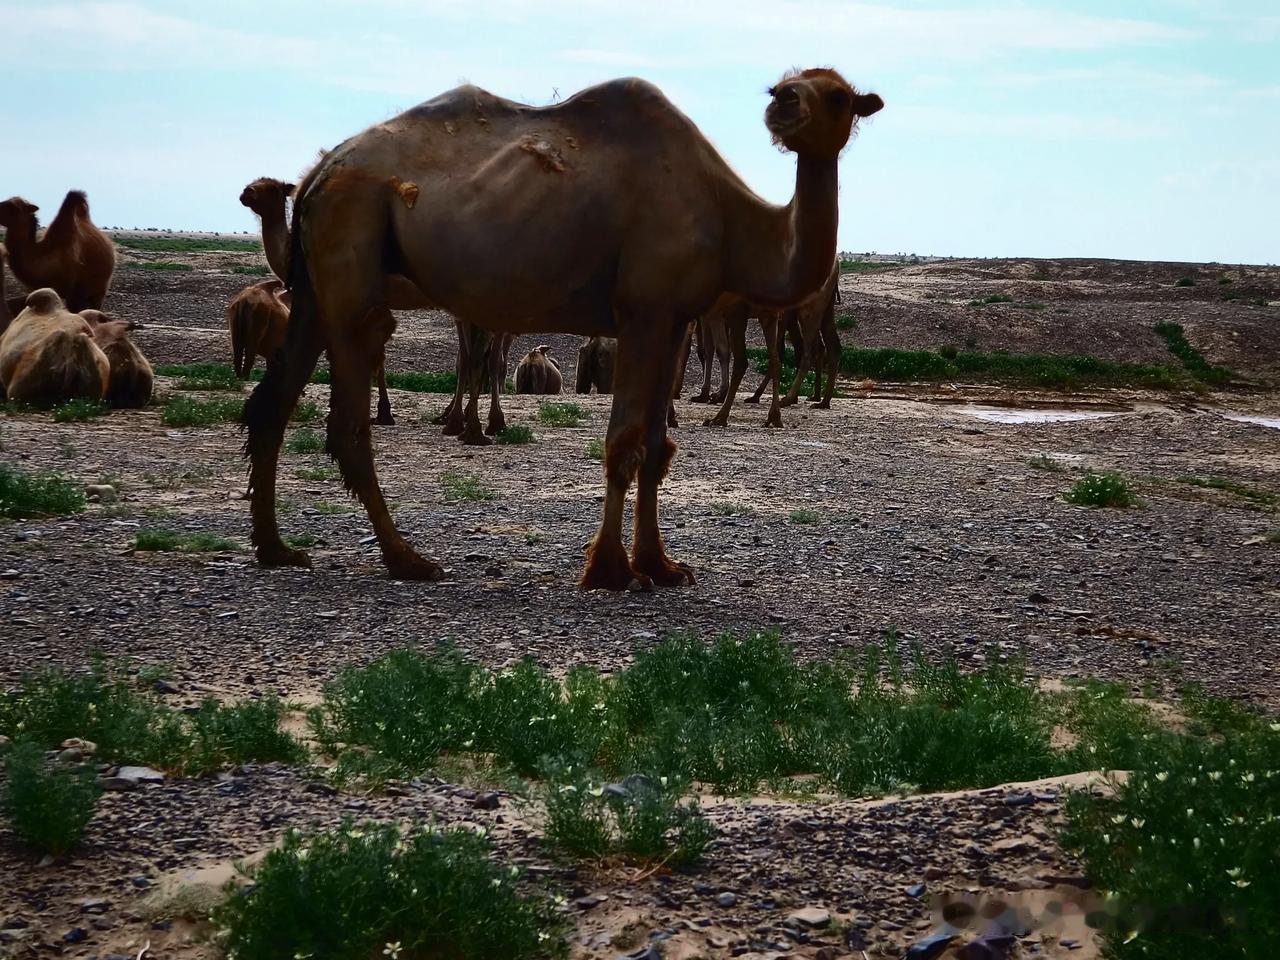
16,212
266,195
813,112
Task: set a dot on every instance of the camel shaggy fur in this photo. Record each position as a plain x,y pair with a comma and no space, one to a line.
74,257
5,316
47,355
131,379
596,358
539,372
651,227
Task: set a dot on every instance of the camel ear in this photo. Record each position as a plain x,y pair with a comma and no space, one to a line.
866,104
289,188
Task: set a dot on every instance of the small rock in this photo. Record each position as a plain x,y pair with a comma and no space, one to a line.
86,747
727,899
1019,800
10,574
930,947
76,935
589,903
987,948
812,917
117,784
165,687
95,906
140,775
486,801
103,493
934,873
915,890
323,789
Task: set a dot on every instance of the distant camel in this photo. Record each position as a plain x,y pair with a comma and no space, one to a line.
596,358
74,257
615,216
47,354
539,372
482,364
812,326
713,348
131,380
734,313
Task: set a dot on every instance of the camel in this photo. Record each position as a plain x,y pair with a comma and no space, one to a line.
257,318
728,319
482,364
539,372
596,358
616,217
812,329
73,257
131,379
713,347
47,354
5,316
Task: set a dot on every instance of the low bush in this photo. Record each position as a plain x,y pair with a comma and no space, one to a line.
48,805
184,411
25,495
162,540
516,434
554,413
80,410
465,487
376,890
1102,490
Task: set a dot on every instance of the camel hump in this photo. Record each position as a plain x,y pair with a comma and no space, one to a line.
75,202
45,300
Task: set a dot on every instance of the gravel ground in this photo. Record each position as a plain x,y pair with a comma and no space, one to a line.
916,517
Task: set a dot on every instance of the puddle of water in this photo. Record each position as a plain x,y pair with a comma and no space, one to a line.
1014,415
1272,422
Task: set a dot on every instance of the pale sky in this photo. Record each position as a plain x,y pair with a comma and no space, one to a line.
1145,129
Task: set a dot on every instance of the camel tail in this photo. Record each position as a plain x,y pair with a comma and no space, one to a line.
242,356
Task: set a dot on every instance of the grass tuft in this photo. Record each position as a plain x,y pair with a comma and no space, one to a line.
79,409
202,376
256,271
1261,497
459,486
305,440
1191,358
184,411
1102,490
991,300
166,266
161,540
375,890
47,805
187,244
556,413
516,434
595,449
25,495
804,516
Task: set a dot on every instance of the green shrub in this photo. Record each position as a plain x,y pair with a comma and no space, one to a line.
132,726
722,508
1047,370
1185,282
948,352
165,266
255,271
160,540
804,516
305,412
375,891
438,381
846,321
1191,358
554,413
1102,490
863,266
1185,850
465,487
641,817
516,434
25,495
187,244
991,300
201,376
79,409
595,448
184,411
305,440
48,806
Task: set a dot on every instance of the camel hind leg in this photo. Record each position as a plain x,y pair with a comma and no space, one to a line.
737,336
384,417
497,356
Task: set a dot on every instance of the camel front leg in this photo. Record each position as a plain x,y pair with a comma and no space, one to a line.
453,414
772,330
649,556
497,376
384,417
737,333
706,357
831,346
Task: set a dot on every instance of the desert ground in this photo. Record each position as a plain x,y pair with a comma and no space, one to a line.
930,511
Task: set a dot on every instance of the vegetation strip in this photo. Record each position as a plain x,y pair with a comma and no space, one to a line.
1191,358
222,376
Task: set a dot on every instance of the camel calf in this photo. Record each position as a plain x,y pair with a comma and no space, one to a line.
48,355
257,317
131,379
596,358
539,372
74,257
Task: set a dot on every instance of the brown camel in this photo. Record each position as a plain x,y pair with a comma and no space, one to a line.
5,316
713,348
131,379
615,217
596,359
539,372
482,363
47,355
732,314
257,318
815,339
73,257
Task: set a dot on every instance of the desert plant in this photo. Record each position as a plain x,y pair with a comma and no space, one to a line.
1101,490
305,440
79,409
465,487
184,411
48,805
804,516
377,890
24,495
595,448
162,540
516,434
555,413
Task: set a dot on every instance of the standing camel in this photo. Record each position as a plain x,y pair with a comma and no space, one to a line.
615,217
73,257
729,319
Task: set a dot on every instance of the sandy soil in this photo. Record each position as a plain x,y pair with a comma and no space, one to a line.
928,521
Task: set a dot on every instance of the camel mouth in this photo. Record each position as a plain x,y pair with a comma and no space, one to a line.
783,127
246,197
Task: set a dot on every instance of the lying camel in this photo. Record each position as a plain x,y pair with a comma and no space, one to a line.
47,354
649,231
5,316
74,257
596,358
539,372
131,380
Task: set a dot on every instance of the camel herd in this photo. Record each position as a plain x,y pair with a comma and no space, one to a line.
515,220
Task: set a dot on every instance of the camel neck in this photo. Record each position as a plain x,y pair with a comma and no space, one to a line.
781,255
275,243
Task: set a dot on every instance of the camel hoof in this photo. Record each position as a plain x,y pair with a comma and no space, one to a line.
495,427
452,430
609,569
700,398
441,420
751,400
822,405
476,439
715,422
787,402
774,422
414,567
384,420
663,571
279,555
